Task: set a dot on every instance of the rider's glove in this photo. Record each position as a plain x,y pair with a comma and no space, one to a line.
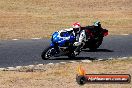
77,44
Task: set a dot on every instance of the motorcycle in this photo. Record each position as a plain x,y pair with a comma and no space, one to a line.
62,43
94,37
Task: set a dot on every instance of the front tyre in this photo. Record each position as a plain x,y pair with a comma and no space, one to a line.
48,52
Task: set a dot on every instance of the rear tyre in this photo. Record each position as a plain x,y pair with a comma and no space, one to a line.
48,52
96,44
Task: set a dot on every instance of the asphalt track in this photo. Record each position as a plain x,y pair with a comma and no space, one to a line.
27,52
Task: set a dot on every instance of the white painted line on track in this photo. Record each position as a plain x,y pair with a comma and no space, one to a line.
18,67
86,61
10,69
62,62
35,38
31,65
40,65
50,63
110,58
123,58
1,69
124,34
100,59
25,66
15,39
72,61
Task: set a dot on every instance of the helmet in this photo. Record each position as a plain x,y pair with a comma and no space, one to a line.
76,27
97,23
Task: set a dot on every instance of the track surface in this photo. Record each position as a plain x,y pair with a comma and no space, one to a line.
27,52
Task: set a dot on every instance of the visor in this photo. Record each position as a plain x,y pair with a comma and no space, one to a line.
75,29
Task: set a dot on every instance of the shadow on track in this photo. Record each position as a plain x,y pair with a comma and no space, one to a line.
82,58
76,58
98,50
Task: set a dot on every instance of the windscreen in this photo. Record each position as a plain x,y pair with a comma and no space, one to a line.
64,34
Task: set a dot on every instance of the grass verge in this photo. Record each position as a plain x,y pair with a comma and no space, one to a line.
25,19
63,75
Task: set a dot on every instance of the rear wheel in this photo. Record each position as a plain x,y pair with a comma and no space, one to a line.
48,52
95,44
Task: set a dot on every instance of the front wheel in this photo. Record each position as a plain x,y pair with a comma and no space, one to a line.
48,52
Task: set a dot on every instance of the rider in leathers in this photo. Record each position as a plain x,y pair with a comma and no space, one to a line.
80,37
80,34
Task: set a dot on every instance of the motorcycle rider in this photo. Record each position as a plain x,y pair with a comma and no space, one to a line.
80,34
80,37
97,27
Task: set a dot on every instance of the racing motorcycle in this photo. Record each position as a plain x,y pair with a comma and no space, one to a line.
94,37
62,43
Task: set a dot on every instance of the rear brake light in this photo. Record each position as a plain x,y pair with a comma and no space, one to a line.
105,33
